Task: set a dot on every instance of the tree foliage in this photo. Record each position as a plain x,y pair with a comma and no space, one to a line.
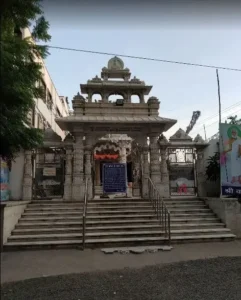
195,117
213,167
20,73
234,120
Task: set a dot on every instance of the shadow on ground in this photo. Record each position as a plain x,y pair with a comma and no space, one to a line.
211,279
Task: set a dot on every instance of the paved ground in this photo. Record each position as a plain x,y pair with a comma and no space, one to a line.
31,264
211,279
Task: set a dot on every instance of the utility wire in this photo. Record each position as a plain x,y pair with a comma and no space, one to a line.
222,119
141,57
216,115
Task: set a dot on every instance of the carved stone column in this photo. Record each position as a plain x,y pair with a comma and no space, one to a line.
154,161
88,173
78,175
146,172
123,154
165,188
68,175
28,177
200,173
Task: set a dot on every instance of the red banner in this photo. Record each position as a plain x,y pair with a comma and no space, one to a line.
106,156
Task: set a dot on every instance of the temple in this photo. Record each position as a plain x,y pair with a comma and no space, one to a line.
65,181
120,131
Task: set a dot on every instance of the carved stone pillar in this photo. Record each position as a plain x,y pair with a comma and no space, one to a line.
200,173
78,175
88,173
164,170
28,177
123,154
136,178
146,172
154,161
68,175
165,189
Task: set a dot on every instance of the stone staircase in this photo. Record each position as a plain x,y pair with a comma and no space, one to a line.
114,222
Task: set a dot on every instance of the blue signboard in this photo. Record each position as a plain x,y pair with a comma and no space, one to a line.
114,178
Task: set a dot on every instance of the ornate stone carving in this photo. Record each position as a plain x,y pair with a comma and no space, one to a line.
154,160
198,139
135,80
180,135
96,79
69,139
78,176
115,63
68,175
79,99
153,100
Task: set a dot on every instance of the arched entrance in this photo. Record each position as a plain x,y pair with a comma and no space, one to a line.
107,151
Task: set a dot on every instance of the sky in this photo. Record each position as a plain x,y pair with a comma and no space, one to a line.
200,35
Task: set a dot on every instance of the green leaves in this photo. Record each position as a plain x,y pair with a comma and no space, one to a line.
213,167
234,120
20,71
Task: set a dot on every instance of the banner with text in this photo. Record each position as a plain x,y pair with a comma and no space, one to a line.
230,159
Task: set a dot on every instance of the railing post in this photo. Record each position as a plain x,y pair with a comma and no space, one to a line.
161,210
169,229
84,212
83,233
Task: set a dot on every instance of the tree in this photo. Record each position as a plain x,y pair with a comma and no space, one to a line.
213,166
195,117
20,73
234,120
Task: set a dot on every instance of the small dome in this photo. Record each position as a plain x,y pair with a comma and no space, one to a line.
115,63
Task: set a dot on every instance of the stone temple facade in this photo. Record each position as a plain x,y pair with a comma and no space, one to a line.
105,131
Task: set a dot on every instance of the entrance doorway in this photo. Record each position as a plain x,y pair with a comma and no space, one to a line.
182,179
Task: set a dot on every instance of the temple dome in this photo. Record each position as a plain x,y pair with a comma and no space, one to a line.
115,63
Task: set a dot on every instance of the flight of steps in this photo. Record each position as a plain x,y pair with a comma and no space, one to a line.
114,222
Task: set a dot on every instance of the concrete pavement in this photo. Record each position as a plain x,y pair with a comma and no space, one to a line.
32,264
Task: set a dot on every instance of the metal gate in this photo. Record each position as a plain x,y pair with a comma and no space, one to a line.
181,165
48,181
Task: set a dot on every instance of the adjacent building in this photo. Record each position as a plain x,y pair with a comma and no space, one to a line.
43,116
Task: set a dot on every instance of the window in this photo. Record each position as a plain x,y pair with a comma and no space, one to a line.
31,116
58,112
49,101
42,85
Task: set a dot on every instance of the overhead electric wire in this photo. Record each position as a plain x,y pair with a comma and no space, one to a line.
142,57
200,126
218,120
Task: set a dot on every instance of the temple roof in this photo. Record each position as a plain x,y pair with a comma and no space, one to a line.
180,135
135,120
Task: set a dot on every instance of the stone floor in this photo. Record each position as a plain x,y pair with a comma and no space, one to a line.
205,279
31,264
